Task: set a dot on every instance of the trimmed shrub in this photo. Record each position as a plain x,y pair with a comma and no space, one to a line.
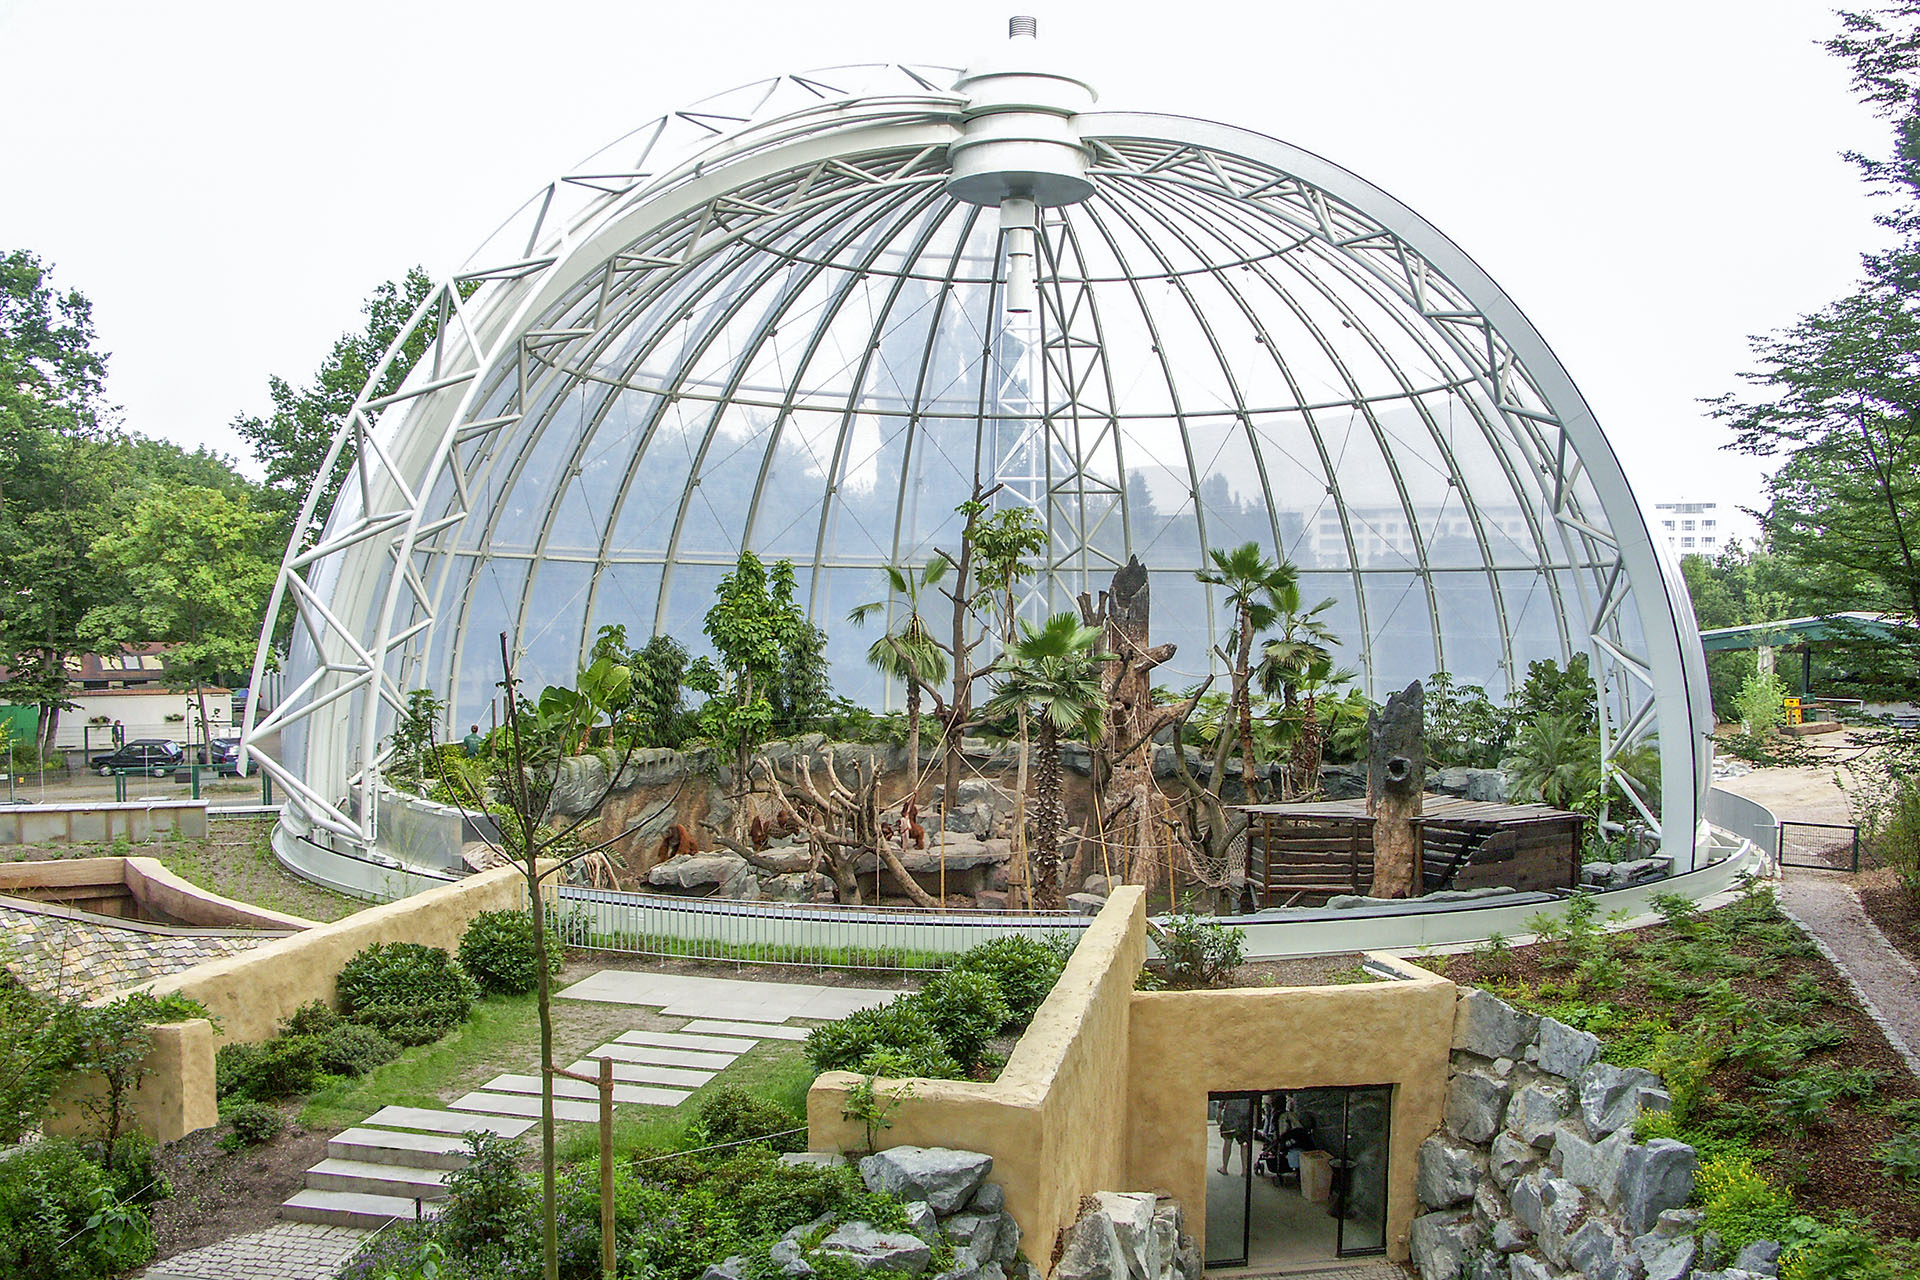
731,1114
48,1191
497,951
254,1123
966,1010
353,1050
410,993
314,1018
1024,968
282,1067
1201,953
900,1027
487,1199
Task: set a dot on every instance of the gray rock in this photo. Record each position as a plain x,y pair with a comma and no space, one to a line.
579,782
1712,1251
1488,785
1510,1237
1132,1216
922,1221
871,1249
1509,1159
795,886
1524,1266
1101,885
1527,1197
1611,1097
1597,1252
1166,1237
1085,904
1731,1273
1639,871
1535,1110
990,1198
729,872
785,1254
1591,1166
1476,1103
1489,1026
1665,1256
975,1238
941,1176
1442,1243
1091,1251
825,1158
1762,1257
1596,873
1446,1172
1489,1206
1674,1222
727,1270
1652,1179
1562,1051
1561,1207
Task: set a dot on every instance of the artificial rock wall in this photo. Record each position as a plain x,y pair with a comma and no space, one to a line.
1535,1173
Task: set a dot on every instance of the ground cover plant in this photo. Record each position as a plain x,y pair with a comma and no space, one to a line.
1805,1118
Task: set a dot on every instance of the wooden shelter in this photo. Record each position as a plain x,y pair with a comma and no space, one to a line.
1304,853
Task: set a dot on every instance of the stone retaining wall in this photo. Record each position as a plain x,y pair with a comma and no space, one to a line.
1535,1174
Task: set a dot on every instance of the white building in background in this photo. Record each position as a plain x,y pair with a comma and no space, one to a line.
1699,528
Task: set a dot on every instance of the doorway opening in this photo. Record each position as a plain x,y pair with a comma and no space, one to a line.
1296,1178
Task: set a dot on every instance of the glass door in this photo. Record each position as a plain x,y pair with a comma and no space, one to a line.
1231,1122
1359,1198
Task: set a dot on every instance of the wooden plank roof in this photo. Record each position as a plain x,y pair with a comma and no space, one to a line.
1434,807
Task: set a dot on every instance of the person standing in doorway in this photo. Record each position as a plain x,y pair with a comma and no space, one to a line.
1236,1125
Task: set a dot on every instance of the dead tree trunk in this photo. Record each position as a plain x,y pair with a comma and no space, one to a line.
1396,778
1134,816
843,821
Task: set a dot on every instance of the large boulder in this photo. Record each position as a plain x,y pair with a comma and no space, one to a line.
871,1249
1447,1172
725,873
1597,1252
579,783
1090,1250
1592,1166
1560,1050
1612,1097
1762,1257
941,1176
1666,1255
976,1238
1652,1179
1535,1112
1509,1158
1563,1208
1442,1242
1489,1026
1476,1104
1132,1216
1524,1266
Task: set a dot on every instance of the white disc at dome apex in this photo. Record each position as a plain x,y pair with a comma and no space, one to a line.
802,318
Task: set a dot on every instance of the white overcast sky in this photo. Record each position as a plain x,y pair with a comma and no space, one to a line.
1651,182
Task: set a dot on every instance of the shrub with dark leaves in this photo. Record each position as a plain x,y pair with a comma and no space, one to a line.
497,951
966,1010
1025,969
410,993
353,1050
900,1027
731,1114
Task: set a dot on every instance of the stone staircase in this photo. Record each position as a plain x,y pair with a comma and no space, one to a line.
391,1166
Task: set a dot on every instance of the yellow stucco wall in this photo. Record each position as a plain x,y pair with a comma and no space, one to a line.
253,992
1053,1122
173,1099
1185,1044
1107,1091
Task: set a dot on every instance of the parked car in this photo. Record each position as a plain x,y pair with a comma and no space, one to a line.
225,755
156,756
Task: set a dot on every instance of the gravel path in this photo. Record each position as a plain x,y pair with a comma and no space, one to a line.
1825,905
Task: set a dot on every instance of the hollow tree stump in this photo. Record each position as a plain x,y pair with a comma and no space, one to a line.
1396,778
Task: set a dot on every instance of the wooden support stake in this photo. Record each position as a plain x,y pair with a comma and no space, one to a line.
606,1168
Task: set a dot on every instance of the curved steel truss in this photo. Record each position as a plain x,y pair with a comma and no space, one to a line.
763,322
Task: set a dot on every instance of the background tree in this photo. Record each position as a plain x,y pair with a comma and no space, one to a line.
191,569
1296,665
1252,584
1053,671
908,653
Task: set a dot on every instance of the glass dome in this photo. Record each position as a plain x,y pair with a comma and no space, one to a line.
768,322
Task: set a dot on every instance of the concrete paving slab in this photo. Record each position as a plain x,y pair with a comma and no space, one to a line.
521,1104
726,998
665,1057
442,1121
587,1092
679,1040
739,1028
638,1072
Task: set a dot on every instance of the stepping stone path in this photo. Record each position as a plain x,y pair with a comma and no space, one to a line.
394,1164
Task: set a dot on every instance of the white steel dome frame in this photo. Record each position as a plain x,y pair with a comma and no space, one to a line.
679,213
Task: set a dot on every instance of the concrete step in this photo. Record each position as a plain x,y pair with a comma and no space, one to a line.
374,1178
681,1040
659,1057
387,1146
352,1209
574,1091
521,1104
626,1072
765,1030
442,1121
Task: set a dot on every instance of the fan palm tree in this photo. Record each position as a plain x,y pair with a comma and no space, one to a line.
1052,672
1253,585
1555,760
909,652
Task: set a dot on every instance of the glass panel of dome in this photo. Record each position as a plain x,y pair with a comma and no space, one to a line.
555,610
650,495
627,594
689,594
1401,639
1470,627
492,606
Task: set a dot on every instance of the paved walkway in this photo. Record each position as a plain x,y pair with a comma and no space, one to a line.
288,1251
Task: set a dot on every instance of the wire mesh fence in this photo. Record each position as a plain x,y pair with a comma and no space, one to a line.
813,935
1821,846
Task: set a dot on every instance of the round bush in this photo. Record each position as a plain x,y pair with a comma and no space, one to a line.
966,1010
731,1114
1024,968
313,1018
255,1122
282,1067
353,1050
497,950
410,993
901,1027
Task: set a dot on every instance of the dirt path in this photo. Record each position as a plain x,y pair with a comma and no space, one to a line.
1824,902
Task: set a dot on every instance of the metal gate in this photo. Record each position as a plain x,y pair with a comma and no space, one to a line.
1819,853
